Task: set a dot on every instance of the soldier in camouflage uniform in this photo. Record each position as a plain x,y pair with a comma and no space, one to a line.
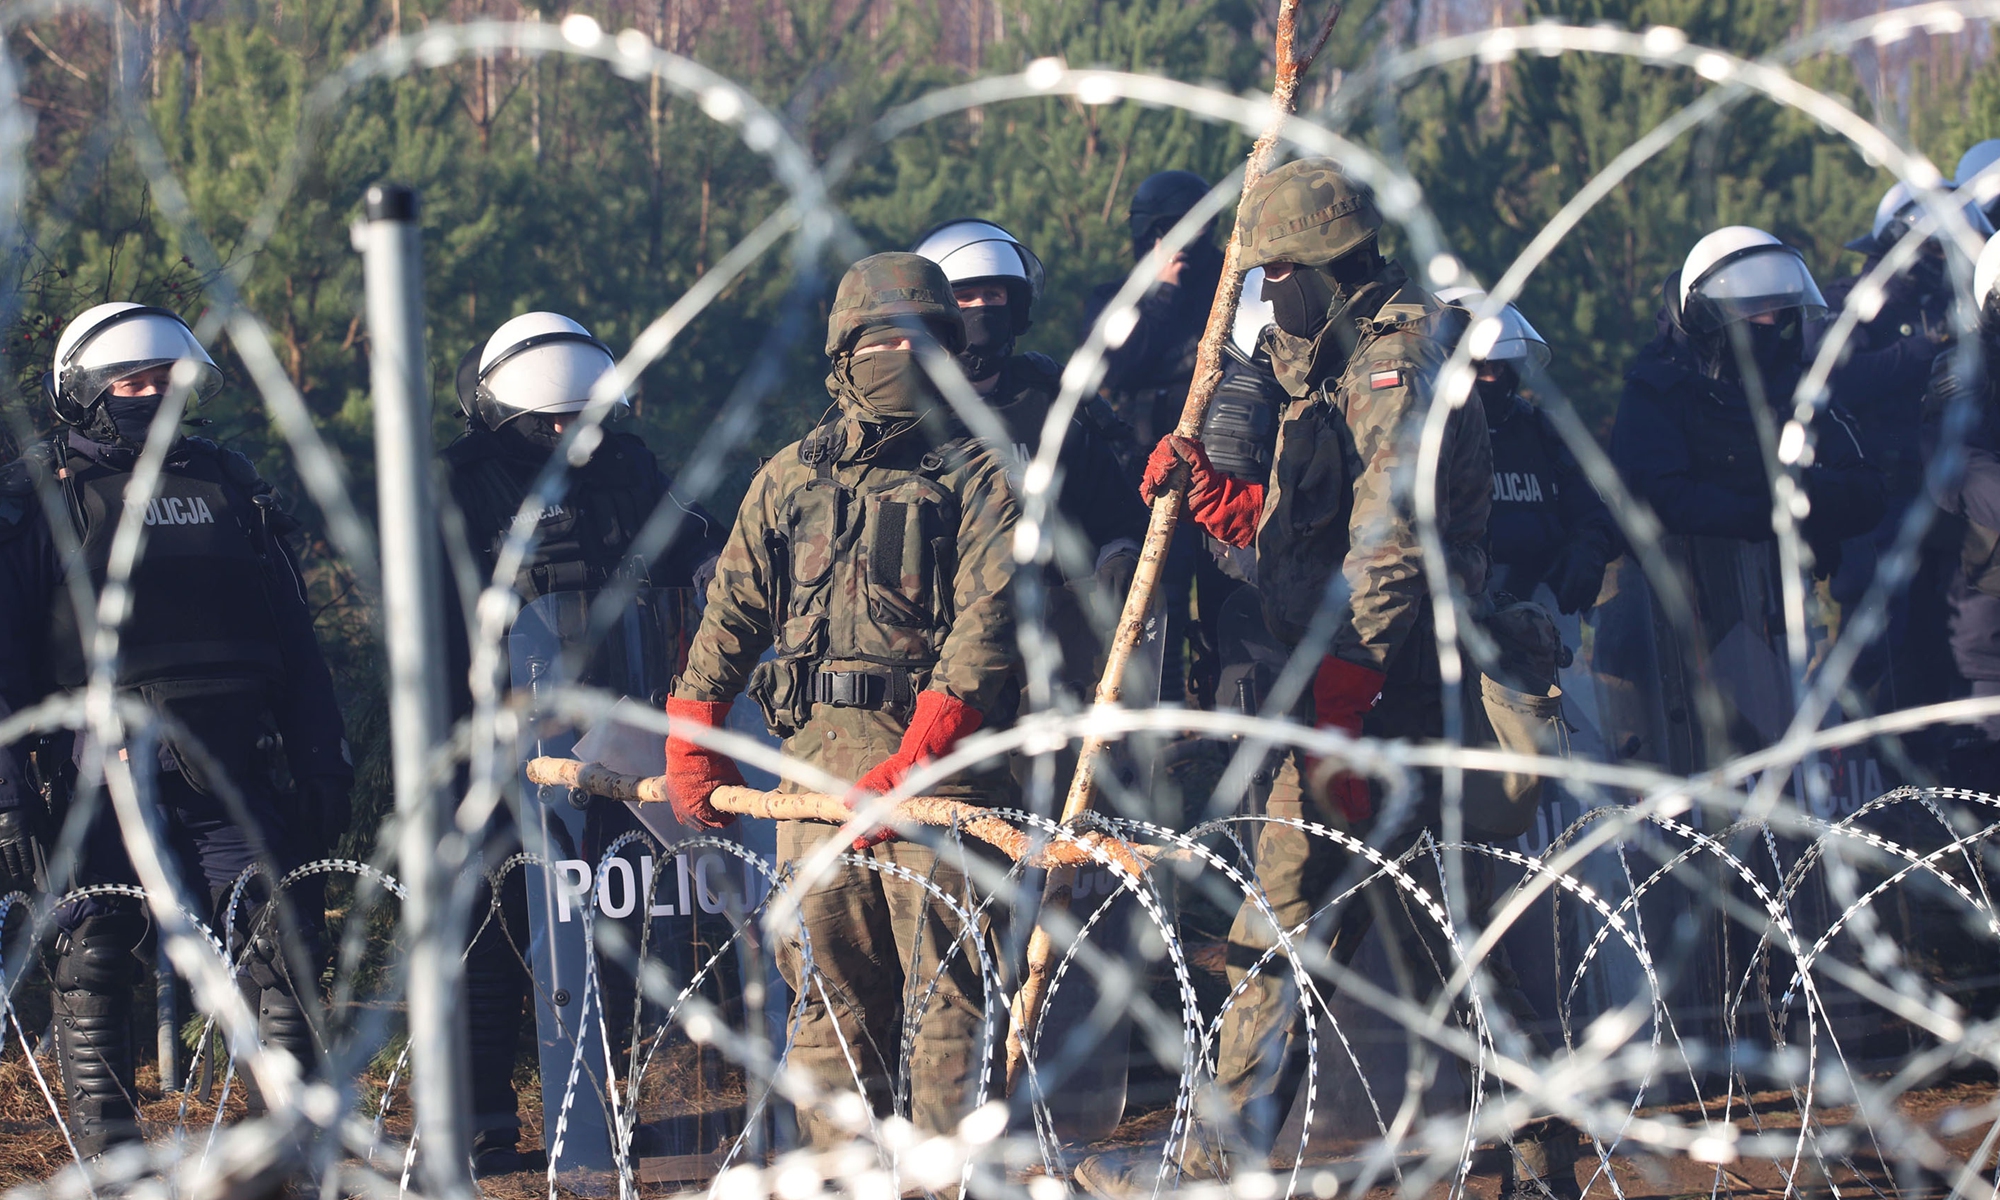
876,554
1356,346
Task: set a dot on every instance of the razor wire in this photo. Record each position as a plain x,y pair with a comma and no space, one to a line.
1454,1024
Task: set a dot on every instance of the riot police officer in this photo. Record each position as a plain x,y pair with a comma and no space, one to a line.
875,555
1881,379
1356,346
1549,525
518,391
220,640
1145,384
996,281
1685,440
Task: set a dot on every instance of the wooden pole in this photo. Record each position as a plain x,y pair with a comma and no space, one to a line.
938,811
1166,512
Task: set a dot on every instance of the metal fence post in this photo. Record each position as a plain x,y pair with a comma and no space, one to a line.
413,631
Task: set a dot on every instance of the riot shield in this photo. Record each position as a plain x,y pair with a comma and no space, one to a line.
581,990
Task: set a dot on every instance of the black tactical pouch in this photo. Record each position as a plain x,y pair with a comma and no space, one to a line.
777,687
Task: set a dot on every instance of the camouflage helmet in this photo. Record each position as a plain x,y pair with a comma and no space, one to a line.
1306,212
894,288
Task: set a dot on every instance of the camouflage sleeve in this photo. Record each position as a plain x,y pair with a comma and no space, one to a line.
1386,402
736,627
976,661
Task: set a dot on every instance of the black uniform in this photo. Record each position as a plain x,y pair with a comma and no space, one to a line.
584,539
1146,384
220,638
1686,443
1883,379
1546,515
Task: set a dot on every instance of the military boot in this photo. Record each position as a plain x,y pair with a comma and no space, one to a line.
1541,1163
282,1025
94,1047
1129,1174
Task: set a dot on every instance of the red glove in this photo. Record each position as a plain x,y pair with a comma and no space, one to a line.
1342,694
937,725
693,773
1227,508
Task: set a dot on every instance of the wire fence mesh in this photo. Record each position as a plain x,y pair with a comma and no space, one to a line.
1745,970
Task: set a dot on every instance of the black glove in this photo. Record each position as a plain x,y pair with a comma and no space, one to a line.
327,810
21,855
1577,577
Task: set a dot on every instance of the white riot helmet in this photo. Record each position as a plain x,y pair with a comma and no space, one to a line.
1253,315
1973,171
1737,273
105,344
539,362
1986,278
1517,341
1899,211
971,250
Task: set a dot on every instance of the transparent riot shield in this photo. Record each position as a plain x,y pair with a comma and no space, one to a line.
584,902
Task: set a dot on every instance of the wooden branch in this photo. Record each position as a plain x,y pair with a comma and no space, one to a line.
1166,515
937,811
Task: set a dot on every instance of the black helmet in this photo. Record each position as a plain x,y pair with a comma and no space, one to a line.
1162,200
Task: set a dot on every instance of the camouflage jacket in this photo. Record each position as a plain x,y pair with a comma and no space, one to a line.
877,568
1344,468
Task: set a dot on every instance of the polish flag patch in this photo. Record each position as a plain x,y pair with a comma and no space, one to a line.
1388,377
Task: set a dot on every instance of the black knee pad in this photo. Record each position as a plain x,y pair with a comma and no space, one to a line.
99,955
264,960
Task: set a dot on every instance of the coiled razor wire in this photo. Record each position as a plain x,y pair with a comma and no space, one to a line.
1601,1078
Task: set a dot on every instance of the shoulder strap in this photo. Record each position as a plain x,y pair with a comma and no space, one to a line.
819,448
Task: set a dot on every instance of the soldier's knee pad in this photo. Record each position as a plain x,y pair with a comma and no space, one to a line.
99,955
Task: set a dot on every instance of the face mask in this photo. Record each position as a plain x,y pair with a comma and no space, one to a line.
888,385
131,416
989,339
1301,301
536,429
1774,347
1494,393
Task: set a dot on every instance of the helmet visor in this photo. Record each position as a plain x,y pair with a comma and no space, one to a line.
87,385
1766,279
1913,214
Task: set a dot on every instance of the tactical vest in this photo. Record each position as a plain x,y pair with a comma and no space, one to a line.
1302,539
583,536
862,580
202,605
1240,429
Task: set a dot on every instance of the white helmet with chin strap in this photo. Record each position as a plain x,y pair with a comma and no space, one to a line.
1973,171
1986,278
1737,273
1899,212
106,343
1517,341
538,362
971,250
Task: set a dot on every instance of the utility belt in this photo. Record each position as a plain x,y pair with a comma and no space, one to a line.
575,575
787,690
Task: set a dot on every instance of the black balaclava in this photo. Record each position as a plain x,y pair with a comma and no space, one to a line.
536,431
1302,301
125,418
1497,394
989,339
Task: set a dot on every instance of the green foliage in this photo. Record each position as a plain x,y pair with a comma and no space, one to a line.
554,182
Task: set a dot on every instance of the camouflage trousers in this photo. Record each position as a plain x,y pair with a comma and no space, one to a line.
891,963
1262,1052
